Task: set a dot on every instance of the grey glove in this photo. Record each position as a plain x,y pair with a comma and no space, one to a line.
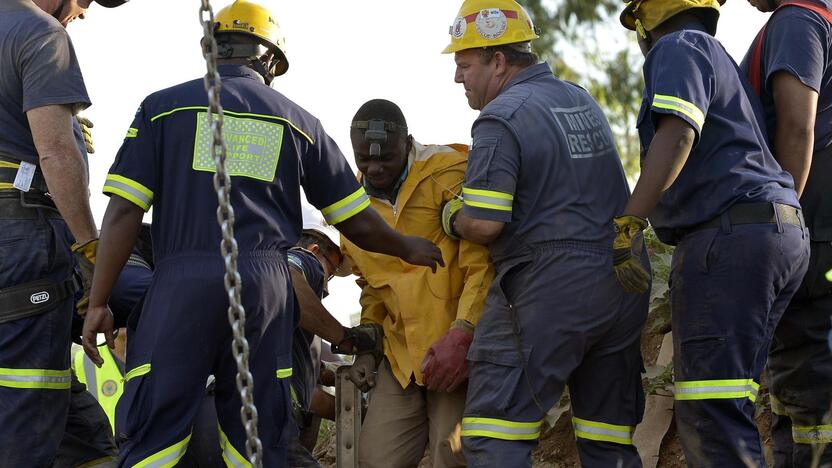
365,338
363,372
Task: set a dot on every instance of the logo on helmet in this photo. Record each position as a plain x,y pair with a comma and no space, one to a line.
491,23
237,24
459,27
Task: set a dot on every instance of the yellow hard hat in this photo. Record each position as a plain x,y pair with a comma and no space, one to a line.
646,15
487,23
250,18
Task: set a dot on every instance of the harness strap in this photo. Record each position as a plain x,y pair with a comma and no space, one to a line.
34,298
755,68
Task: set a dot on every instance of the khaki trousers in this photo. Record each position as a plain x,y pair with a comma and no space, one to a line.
401,423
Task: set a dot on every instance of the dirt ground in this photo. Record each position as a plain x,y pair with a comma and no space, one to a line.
557,445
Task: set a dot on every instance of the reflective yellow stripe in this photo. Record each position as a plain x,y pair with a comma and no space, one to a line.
500,429
663,101
236,114
284,373
5,185
812,434
9,165
231,456
137,371
132,132
168,457
130,190
347,207
97,462
46,379
593,430
487,199
716,389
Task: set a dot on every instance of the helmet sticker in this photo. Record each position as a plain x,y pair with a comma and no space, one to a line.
491,23
459,27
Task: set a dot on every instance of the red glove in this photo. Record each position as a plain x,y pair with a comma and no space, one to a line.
445,366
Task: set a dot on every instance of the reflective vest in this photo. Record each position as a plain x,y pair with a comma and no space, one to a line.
105,384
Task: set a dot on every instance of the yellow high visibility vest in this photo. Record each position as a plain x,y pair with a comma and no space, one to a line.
105,384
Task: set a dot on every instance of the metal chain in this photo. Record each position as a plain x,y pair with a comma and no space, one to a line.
228,246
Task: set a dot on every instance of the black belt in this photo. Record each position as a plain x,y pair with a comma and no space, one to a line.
15,204
742,213
8,174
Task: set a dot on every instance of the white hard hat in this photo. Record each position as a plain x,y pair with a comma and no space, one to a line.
314,221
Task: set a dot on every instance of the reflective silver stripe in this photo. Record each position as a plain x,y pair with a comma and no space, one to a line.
488,200
122,187
722,389
501,429
608,434
812,434
90,377
39,379
335,216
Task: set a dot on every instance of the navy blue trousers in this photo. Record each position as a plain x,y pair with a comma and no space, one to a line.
553,317
800,370
729,287
34,351
182,336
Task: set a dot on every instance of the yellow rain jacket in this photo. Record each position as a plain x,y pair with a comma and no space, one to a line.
414,305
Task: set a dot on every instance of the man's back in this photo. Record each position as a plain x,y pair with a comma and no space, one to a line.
273,147
39,68
547,142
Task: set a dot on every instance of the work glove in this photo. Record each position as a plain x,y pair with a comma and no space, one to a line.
85,254
86,125
445,366
626,253
365,338
364,371
449,212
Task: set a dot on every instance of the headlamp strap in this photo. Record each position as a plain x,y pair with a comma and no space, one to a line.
375,132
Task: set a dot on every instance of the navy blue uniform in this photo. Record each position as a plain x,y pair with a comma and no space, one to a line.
183,336
798,41
306,358
543,160
730,280
38,67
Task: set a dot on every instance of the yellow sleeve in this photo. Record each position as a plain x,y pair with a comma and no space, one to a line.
474,259
373,309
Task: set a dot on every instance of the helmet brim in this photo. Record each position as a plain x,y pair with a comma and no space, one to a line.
628,17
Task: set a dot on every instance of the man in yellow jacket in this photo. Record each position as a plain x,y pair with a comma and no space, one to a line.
428,318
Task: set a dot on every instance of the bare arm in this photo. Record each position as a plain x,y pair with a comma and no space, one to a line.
314,317
118,236
478,231
369,232
796,107
63,168
666,156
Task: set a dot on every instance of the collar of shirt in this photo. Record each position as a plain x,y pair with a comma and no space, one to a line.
239,70
529,73
378,193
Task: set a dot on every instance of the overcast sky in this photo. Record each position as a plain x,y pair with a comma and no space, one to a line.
341,54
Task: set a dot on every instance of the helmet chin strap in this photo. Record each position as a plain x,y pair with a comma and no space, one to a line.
264,66
258,56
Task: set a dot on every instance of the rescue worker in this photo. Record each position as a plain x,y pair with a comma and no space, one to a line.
418,385
790,68
313,262
104,383
543,183
41,151
183,335
710,185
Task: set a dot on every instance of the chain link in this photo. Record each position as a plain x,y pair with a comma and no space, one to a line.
228,246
